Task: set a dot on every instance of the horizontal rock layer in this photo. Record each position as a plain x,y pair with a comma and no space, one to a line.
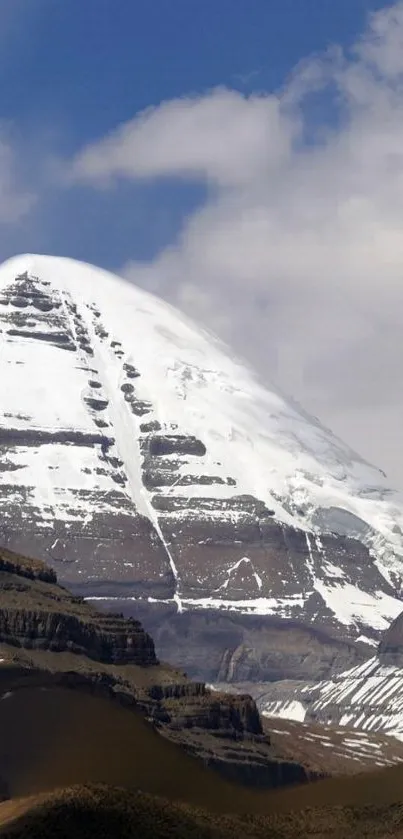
229,647
35,613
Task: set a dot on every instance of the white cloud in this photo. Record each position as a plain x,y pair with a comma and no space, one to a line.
297,256
189,137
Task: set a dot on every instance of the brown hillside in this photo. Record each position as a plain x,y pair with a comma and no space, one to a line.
98,811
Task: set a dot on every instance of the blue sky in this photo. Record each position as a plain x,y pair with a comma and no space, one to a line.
90,65
75,70
261,192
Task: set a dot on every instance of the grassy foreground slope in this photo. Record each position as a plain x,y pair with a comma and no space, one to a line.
101,812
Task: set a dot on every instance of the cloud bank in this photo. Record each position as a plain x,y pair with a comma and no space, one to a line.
296,258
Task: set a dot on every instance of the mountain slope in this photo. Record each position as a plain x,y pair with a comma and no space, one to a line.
144,462
366,698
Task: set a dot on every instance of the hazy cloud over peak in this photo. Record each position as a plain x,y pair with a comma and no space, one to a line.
296,257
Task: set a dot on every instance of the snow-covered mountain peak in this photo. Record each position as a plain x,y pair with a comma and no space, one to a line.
225,400
115,404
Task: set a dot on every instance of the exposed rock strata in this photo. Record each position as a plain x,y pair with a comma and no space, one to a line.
35,613
219,647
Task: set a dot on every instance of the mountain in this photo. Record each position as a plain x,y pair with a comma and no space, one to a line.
152,469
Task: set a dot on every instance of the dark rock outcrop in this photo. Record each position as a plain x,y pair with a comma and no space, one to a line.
191,705
37,614
109,639
29,568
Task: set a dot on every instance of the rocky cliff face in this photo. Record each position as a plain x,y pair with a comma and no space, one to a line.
35,613
192,705
229,647
390,650
108,639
